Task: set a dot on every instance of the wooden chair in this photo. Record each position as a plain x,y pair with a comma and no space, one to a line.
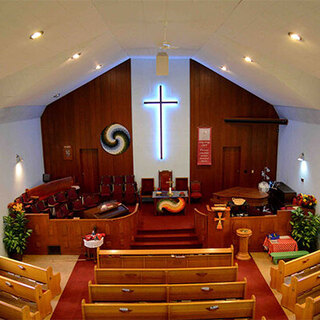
147,187
164,177
195,190
182,184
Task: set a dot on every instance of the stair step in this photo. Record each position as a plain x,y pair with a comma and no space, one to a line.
166,245
167,237
168,231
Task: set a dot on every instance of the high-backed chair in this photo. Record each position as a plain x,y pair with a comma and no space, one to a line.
182,184
147,187
106,179
105,191
195,190
164,177
42,207
130,194
129,178
118,180
61,197
72,194
117,192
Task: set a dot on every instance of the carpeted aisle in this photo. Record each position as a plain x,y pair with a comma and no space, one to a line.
267,305
69,305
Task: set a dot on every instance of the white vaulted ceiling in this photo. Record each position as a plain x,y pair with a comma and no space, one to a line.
213,32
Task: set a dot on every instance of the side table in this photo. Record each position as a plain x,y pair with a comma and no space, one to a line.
244,235
91,248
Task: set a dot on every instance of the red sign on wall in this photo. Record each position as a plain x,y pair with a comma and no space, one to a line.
204,147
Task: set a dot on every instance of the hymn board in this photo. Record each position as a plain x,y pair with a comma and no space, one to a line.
161,103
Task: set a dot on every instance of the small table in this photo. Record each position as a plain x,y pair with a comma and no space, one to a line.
91,248
163,202
283,244
243,235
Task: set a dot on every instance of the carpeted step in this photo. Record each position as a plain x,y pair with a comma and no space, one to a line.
166,244
166,237
166,231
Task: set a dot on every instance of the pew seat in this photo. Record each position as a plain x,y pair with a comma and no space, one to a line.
211,309
165,276
11,312
19,294
166,293
31,275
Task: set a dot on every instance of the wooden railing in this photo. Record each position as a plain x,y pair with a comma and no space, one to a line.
201,227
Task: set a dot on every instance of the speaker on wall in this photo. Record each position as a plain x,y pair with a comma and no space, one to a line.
46,177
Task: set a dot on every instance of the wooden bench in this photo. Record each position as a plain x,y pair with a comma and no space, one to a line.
20,294
10,312
165,276
166,293
163,258
287,255
307,310
213,309
31,274
299,289
306,263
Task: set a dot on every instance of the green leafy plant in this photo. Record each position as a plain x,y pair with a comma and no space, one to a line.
305,228
16,233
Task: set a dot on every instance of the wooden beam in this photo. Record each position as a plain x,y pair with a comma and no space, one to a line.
257,120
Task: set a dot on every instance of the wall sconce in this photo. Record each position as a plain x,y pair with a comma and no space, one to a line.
18,158
301,157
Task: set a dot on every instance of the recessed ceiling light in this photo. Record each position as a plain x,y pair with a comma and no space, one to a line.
98,66
248,59
57,95
223,68
76,56
36,35
295,36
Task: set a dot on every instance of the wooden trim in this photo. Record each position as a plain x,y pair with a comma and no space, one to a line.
257,120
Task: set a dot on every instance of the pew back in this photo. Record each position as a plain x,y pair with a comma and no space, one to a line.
214,309
166,293
288,268
29,271
162,258
166,276
10,312
307,310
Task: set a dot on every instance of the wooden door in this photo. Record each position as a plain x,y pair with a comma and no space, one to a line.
231,167
89,170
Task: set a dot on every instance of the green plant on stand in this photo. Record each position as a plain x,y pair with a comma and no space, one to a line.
305,229
16,233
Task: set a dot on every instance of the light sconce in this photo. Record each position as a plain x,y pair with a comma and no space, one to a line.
18,158
301,157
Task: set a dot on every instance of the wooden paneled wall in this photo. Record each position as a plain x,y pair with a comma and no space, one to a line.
238,150
78,119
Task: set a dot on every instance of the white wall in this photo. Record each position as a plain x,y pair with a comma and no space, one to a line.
295,138
23,138
145,119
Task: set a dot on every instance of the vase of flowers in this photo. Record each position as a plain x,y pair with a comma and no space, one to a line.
16,232
306,201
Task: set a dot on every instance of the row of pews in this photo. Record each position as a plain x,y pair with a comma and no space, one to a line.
299,283
26,291
167,284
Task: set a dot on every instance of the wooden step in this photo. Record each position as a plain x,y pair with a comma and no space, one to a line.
166,244
166,237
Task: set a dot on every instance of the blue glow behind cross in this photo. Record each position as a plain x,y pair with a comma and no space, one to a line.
160,103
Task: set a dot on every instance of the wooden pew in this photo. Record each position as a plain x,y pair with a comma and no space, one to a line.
47,189
165,276
307,310
299,289
166,293
163,258
213,309
307,263
12,268
10,312
19,294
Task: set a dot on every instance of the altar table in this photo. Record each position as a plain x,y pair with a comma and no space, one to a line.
169,204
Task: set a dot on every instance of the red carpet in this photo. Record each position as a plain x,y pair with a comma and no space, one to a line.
69,306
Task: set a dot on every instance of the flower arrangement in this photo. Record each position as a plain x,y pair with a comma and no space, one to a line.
306,200
15,230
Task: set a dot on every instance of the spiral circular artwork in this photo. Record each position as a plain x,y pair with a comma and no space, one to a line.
115,139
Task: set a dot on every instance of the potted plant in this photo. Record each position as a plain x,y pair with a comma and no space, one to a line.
305,228
16,233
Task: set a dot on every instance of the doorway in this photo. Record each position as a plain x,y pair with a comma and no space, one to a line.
89,170
231,167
